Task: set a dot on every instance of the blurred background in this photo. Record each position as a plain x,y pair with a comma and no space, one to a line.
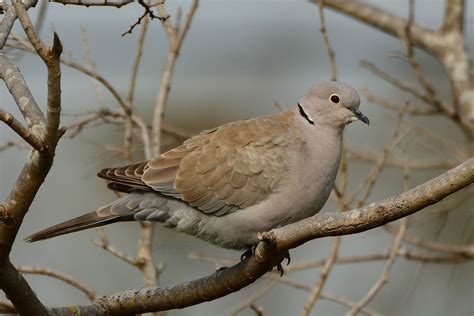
239,58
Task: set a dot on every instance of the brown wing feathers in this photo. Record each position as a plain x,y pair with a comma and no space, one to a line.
127,178
217,171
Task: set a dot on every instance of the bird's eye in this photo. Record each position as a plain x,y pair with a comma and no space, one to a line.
334,98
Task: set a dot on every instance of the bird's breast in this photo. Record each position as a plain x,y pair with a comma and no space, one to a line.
314,173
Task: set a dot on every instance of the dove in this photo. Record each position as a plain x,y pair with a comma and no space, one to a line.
227,184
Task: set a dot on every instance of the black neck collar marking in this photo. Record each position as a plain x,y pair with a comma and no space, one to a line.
303,114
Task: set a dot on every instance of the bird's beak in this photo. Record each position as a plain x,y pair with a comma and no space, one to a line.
361,117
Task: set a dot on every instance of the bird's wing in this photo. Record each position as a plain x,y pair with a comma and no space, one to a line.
127,178
218,171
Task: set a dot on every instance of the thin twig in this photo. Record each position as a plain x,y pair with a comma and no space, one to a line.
316,291
89,63
60,276
98,3
400,84
136,62
372,177
22,131
252,298
105,244
413,110
128,131
175,40
148,13
462,250
386,271
405,37
327,43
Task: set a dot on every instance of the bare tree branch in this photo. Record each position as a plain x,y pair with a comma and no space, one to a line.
386,271
381,20
128,132
376,214
18,88
99,3
9,18
327,43
36,166
19,292
453,16
23,132
7,307
175,39
317,289
60,276
447,43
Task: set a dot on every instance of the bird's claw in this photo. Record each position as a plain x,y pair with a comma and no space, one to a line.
280,269
248,253
251,251
286,256
220,269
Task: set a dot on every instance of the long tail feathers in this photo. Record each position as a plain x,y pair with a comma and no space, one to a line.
79,223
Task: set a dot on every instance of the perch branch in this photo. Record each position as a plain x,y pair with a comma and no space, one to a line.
19,292
96,3
36,166
277,241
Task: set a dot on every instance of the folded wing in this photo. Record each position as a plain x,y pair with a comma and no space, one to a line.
218,171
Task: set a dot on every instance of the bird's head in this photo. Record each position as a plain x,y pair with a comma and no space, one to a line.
333,103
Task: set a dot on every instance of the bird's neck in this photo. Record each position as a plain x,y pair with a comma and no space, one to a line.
307,129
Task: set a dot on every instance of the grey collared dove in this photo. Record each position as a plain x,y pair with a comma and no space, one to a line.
229,183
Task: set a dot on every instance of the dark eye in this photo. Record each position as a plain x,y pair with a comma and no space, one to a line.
334,98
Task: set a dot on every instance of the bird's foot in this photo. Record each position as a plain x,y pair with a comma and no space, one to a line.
248,253
220,269
270,238
280,269
286,255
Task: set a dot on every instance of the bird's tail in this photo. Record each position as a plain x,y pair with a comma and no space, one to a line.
86,221
133,206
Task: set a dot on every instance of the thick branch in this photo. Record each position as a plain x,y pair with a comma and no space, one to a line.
36,166
378,213
19,292
187,294
330,224
51,58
